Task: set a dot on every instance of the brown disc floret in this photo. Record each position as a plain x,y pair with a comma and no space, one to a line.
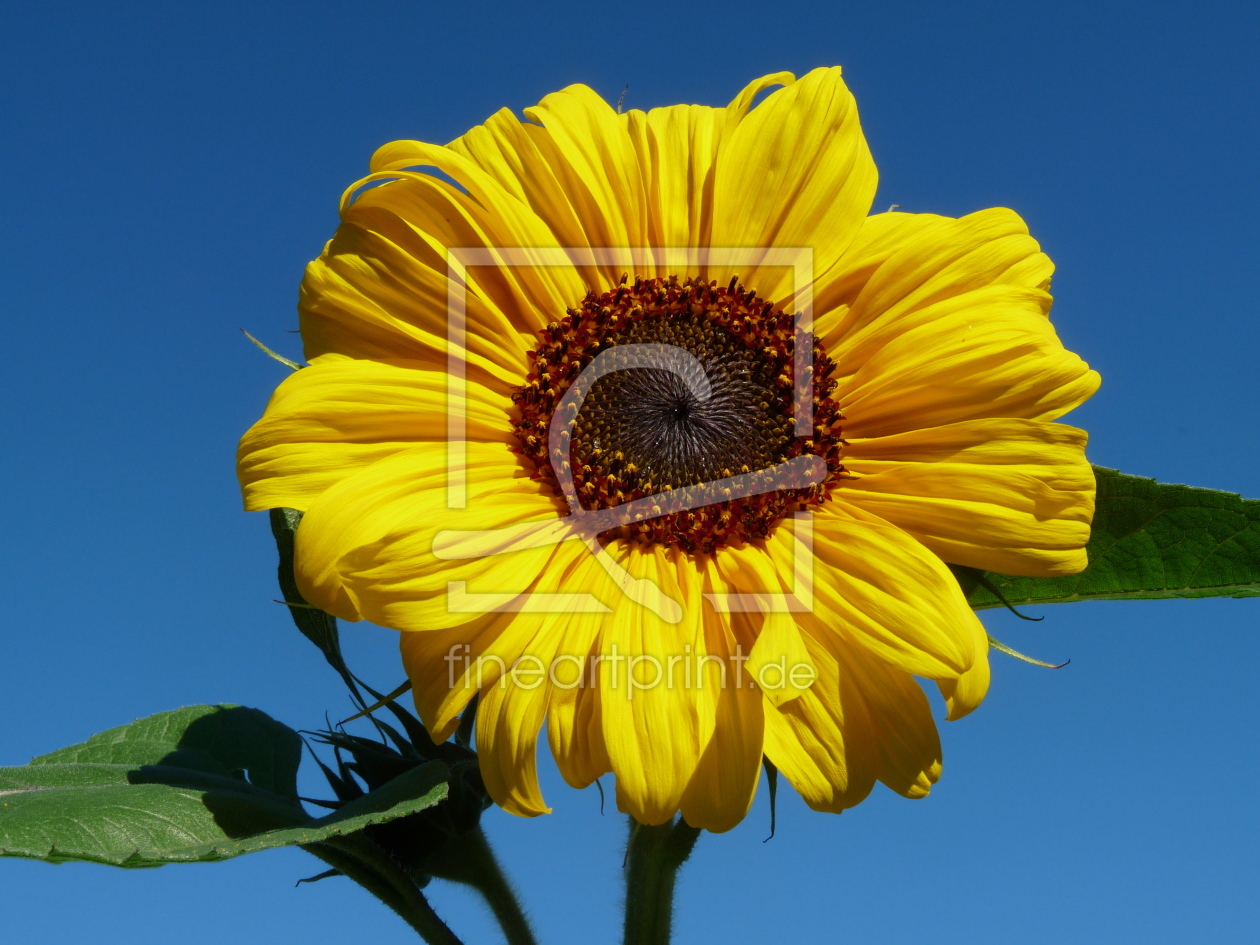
642,431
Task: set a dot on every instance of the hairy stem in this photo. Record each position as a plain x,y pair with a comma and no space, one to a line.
652,862
468,859
377,872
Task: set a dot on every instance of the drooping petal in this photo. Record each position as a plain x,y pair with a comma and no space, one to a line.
654,731
725,780
963,694
448,666
778,660
336,417
509,717
862,721
1005,495
512,707
795,172
882,588
574,727
906,746
822,742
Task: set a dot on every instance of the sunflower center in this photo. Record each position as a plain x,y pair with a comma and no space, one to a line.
653,423
713,399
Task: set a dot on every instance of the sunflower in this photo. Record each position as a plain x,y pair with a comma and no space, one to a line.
671,636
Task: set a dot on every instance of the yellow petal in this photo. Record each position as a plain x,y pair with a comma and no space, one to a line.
573,719
822,742
381,288
365,548
336,417
594,159
448,666
869,721
907,747
654,727
507,658
533,292
574,726
512,707
722,788
902,263
963,694
741,103
880,236
677,148
779,661
504,148
988,353
884,590
863,718
1005,495
795,172
509,717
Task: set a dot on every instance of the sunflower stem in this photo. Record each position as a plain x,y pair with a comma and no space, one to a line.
653,859
468,859
376,871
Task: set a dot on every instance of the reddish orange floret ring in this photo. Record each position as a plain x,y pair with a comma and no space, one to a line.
722,409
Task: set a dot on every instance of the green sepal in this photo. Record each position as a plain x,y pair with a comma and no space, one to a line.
291,365
772,785
318,627
1149,540
193,785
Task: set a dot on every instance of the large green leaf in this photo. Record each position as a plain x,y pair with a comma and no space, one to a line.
186,786
1149,540
215,739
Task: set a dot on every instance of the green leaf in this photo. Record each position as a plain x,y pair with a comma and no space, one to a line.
1149,540
215,739
183,787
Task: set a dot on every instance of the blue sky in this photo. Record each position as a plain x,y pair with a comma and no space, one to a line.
170,168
